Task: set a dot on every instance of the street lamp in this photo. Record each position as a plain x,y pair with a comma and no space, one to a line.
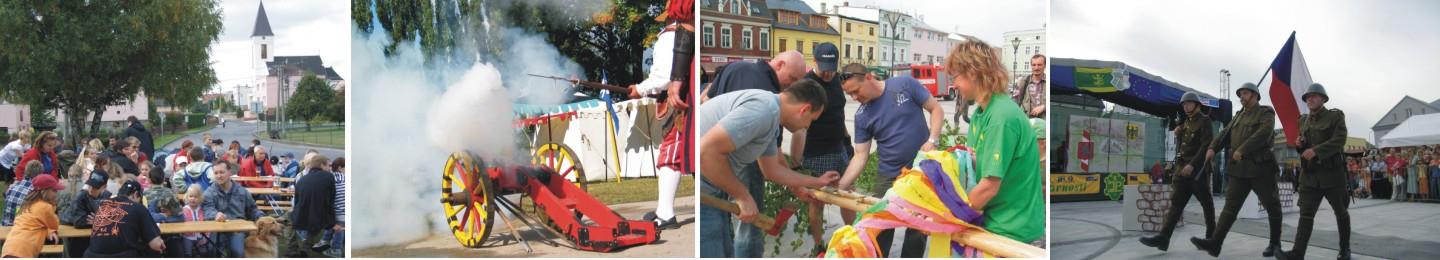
1015,57
1225,83
894,36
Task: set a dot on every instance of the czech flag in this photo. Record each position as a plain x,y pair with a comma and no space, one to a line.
1288,80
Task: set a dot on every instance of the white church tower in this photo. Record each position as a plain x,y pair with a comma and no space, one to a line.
262,50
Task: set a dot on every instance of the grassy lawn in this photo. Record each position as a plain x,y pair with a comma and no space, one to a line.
172,136
332,136
636,190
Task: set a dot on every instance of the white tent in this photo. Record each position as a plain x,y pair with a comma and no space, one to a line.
1416,130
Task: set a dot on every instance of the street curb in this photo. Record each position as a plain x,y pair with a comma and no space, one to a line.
182,138
256,134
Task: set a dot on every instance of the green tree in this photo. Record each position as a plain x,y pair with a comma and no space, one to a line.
41,117
337,107
81,56
312,102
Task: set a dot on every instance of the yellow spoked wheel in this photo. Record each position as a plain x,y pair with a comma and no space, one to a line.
563,160
468,199
566,164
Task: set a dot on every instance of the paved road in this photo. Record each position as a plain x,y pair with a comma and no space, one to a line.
244,132
1381,229
673,243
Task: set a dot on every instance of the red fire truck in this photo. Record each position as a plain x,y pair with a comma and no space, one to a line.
932,77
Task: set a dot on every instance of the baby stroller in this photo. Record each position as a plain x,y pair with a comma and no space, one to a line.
209,249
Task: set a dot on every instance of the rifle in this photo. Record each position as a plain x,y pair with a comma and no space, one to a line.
662,110
589,84
1223,145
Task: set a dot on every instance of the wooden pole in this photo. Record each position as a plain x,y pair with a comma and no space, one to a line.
761,221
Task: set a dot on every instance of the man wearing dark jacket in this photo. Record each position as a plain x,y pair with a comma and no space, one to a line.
147,143
85,205
120,155
314,207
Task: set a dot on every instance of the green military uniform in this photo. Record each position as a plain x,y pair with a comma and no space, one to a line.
1250,134
1322,177
1192,137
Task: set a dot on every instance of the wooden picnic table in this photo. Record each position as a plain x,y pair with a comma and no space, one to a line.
271,191
264,179
68,231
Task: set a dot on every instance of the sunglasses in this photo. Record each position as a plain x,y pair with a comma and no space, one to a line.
846,76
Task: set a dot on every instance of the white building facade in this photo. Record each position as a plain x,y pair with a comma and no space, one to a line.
1022,45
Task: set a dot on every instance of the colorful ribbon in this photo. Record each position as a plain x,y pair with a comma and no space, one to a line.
931,199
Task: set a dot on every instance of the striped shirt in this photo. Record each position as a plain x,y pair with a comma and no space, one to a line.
339,197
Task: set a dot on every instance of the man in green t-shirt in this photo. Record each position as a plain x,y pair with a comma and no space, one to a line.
1007,157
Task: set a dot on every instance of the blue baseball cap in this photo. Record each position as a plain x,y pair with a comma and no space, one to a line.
827,57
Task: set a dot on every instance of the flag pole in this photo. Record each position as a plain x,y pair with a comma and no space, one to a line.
1263,75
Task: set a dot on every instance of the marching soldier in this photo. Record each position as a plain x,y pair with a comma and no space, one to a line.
1252,167
1322,176
1193,136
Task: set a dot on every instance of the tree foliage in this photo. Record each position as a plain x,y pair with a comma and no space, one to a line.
82,56
608,38
313,100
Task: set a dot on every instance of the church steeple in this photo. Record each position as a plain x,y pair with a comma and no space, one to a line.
262,44
262,23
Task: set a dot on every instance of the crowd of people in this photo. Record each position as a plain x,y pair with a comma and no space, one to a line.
122,187
1412,172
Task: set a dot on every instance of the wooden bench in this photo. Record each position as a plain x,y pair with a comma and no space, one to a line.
270,192
52,250
273,208
277,203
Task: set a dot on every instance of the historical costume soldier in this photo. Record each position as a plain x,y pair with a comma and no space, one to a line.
1192,137
1251,167
1322,175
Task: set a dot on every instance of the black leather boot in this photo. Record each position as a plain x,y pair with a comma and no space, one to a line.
1161,242
1210,246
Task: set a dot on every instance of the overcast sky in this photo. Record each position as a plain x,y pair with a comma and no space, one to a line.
300,27
1368,54
988,20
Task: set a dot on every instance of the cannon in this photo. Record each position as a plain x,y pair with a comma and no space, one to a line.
472,191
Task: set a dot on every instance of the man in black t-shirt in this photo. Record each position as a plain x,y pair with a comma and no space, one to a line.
123,228
825,146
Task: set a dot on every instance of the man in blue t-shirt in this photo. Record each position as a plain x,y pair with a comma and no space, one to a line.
892,115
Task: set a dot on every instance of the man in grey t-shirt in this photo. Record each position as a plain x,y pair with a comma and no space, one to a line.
738,128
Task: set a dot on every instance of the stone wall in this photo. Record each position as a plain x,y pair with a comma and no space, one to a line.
1153,204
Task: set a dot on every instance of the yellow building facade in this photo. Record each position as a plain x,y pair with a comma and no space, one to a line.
801,30
858,39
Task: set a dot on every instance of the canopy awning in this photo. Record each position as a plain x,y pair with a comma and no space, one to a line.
1415,131
1127,86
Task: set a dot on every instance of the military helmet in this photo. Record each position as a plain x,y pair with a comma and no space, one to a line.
1251,87
1316,89
1190,97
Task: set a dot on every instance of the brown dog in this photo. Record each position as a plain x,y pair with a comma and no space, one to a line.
264,242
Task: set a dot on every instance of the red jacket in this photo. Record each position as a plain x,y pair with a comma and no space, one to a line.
34,154
247,169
